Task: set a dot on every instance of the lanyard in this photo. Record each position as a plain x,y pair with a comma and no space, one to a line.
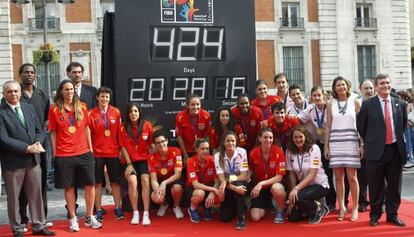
300,163
320,121
284,101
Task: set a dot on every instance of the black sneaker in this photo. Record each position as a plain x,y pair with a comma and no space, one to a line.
241,223
317,217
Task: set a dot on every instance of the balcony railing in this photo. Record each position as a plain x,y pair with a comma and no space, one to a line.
52,24
366,23
297,22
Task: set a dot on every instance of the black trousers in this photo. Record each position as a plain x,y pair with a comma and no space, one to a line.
23,197
363,184
388,169
234,204
305,205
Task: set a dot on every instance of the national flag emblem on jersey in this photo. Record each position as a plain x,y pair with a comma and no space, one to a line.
282,166
315,162
252,123
201,126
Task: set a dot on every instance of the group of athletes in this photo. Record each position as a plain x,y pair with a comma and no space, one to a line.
264,154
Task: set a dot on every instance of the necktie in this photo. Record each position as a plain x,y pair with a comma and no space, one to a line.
77,91
20,115
388,126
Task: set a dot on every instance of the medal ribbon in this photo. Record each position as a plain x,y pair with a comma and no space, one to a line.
320,121
71,119
265,164
244,126
194,124
105,119
231,167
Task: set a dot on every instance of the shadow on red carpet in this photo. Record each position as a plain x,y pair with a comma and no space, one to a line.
168,226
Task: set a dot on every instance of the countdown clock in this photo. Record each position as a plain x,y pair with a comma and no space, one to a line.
166,49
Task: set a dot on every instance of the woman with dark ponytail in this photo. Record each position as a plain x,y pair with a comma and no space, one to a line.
232,170
136,141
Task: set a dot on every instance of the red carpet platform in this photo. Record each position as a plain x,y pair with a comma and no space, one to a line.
168,226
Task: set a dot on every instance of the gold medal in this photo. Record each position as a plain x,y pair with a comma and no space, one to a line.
320,131
164,171
72,129
233,178
107,133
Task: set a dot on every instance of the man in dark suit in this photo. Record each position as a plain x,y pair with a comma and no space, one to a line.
20,141
86,93
381,123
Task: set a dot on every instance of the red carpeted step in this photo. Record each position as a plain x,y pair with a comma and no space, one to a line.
169,226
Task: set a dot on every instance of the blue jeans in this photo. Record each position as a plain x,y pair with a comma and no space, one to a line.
409,143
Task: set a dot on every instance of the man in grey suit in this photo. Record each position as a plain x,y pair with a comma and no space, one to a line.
381,123
20,141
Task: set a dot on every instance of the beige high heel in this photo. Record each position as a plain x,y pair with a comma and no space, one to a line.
354,216
341,214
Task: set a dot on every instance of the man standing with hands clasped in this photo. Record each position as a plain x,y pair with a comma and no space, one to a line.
381,123
20,140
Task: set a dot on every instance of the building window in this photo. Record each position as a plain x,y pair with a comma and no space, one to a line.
54,76
364,17
293,65
51,19
366,62
291,15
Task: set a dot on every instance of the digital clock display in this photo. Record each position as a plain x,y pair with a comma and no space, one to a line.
187,43
166,49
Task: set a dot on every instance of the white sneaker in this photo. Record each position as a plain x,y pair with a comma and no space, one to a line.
162,210
92,222
48,224
135,218
409,164
73,224
145,218
178,213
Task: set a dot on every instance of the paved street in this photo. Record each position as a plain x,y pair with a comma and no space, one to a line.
57,210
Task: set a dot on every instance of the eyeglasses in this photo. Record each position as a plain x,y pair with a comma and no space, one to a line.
161,142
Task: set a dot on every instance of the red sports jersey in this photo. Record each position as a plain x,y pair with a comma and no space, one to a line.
276,164
250,125
137,146
105,144
215,139
67,143
191,128
282,131
173,160
205,175
267,108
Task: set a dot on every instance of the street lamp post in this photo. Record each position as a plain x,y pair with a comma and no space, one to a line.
44,19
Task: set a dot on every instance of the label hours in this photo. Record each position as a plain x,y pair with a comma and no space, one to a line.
187,43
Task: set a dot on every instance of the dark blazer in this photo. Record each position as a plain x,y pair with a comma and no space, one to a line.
15,137
371,127
88,96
